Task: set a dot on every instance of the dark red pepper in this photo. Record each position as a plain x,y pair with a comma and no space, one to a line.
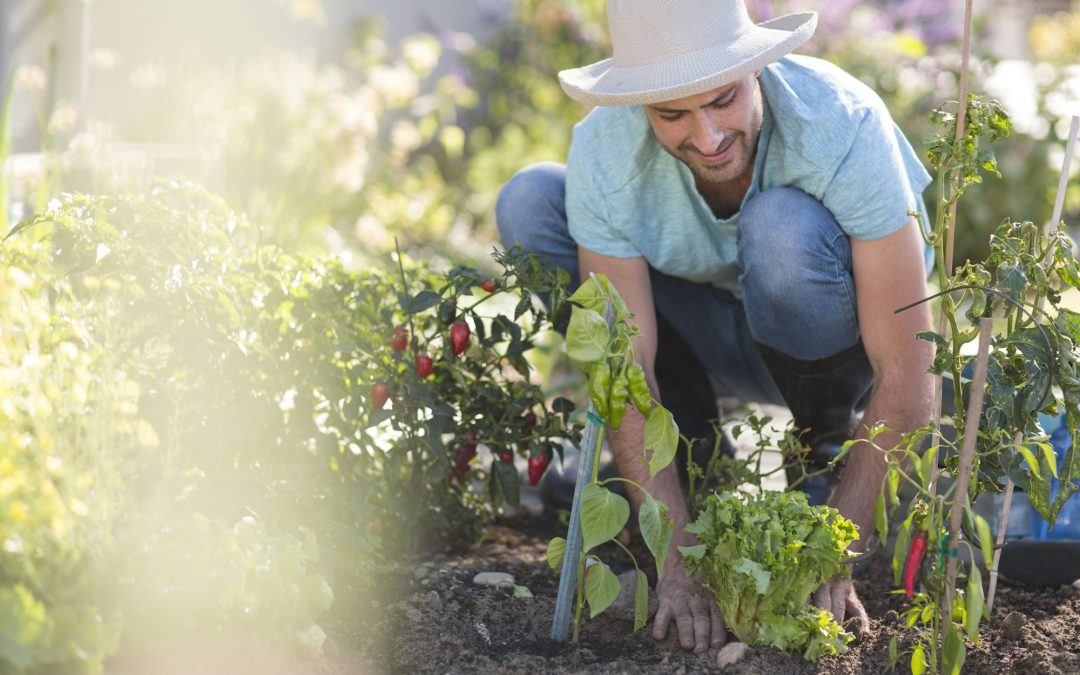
379,393
506,456
914,562
459,337
424,365
400,339
488,285
537,465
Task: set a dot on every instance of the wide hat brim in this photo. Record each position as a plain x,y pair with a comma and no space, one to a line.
604,83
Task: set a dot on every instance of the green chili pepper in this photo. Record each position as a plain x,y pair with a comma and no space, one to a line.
620,391
639,388
599,383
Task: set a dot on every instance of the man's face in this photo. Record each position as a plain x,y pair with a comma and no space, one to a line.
714,133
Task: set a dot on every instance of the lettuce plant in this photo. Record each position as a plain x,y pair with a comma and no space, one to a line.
762,556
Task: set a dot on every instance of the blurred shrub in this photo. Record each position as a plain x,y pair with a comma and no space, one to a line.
68,433
274,482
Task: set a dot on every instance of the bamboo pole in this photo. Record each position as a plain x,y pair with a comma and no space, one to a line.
1006,505
950,235
967,458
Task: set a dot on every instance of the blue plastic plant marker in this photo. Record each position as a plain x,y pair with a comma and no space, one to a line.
564,603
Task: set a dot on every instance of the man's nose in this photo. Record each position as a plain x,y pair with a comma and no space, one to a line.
706,135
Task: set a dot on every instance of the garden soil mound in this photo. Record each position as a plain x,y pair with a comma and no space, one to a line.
441,622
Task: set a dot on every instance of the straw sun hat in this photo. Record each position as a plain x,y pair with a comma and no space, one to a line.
668,49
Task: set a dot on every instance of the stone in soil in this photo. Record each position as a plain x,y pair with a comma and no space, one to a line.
730,654
493,579
1013,626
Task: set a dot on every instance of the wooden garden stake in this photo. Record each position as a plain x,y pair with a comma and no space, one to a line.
967,456
1006,506
950,236
564,603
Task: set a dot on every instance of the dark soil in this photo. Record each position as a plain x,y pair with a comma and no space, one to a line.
442,623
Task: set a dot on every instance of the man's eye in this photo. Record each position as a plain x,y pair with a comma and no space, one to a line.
670,118
726,102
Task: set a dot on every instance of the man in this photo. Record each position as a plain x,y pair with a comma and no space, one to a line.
753,209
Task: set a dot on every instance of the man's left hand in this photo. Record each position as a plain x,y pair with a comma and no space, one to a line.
838,596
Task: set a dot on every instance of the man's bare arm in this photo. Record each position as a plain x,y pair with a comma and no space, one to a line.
681,599
889,274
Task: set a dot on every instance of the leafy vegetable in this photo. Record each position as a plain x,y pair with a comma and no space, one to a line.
762,556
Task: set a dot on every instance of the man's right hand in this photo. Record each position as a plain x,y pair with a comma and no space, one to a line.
692,608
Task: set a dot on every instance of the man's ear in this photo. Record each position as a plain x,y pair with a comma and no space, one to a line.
757,73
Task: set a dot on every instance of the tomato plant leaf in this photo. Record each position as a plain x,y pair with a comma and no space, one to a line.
504,475
918,661
661,437
587,337
974,604
423,300
656,530
952,652
556,548
641,601
900,547
589,295
601,588
986,540
603,515
1030,460
881,517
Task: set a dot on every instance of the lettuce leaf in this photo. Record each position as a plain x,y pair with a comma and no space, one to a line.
762,556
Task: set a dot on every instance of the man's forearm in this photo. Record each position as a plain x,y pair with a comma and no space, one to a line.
627,445
903,404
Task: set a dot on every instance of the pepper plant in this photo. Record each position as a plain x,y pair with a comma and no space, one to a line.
616,381
1031,369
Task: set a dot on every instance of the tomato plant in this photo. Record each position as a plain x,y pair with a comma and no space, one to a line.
1031,368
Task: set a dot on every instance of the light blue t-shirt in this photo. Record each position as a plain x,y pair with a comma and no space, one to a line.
823,132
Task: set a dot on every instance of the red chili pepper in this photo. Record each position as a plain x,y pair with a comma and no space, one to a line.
424,364
489,285
379,393
459,337
399,339
914,562
537,464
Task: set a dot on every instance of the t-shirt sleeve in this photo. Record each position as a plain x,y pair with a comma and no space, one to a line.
586,210
878,181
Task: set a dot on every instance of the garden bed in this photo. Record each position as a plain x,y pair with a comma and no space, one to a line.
442,622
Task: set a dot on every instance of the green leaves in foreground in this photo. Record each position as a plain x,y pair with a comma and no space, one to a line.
601,588
603,515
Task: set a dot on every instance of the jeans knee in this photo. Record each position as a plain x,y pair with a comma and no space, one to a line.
537,189
787,239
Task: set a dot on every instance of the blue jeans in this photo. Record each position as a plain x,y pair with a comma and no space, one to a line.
798,294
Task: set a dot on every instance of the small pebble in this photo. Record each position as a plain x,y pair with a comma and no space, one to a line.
422,571
493,579
730,654
1076,585
623,606
433,601
1013,626
891,616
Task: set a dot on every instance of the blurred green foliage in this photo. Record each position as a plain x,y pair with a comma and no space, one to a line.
188,443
